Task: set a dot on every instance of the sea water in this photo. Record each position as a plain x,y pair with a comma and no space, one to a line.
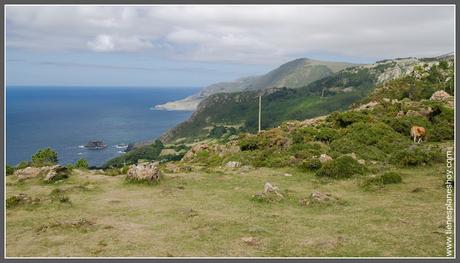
66,118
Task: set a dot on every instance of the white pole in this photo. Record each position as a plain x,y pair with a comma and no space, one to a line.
260,109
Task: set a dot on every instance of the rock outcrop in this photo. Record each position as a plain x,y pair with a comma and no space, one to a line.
324,158
440,95
28,172
57,172
144,172
233,164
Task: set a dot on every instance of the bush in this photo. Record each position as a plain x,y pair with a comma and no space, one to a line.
148,152
379,181
9,170
45,157
343,167
344,119
416,155
391,178
22,165
311,165
249,143
374,140
81,164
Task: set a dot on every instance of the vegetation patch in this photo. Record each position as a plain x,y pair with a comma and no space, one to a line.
378,181
19,200
373,140
343,167
416,155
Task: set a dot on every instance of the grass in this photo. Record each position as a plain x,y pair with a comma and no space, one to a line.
208,214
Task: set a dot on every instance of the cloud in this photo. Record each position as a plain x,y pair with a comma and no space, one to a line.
116,67
237,34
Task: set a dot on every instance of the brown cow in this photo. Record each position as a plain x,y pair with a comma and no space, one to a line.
417,132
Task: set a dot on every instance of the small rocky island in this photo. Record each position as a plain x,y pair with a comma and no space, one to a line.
95,145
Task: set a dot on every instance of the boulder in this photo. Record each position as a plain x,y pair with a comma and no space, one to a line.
233,164
367,106
57,172
318,197
324,158
195,149
426,112
412,113
440,95
28,172
147,172
400,113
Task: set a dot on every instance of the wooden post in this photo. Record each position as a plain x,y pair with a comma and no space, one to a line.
260,110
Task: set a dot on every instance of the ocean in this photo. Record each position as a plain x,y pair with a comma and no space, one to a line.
66,118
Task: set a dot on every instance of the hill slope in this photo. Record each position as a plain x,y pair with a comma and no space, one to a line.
294,74
332,93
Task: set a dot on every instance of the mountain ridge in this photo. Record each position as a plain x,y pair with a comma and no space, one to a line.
292,74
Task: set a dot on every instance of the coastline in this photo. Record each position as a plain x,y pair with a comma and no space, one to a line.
187,104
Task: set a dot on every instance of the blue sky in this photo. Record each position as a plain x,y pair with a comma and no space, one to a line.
199,45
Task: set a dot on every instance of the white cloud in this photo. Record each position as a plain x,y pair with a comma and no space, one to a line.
241,34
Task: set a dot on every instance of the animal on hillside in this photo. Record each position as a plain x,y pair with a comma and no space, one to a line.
417,132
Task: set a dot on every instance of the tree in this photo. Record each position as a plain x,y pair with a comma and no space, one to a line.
81,164
44,157
9,170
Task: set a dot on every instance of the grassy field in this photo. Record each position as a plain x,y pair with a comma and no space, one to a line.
211,213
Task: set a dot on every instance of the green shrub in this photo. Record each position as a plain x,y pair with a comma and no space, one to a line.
81,164
23,165
148,152
403,124
9,170
344,119
375,182
249,143
58,195
326,134
391,178
343,167
374,140
268,158
312,164
416,155
44,157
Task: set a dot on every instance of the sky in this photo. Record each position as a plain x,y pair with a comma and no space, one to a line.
198,45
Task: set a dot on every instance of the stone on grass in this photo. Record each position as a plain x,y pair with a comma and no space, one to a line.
144,172
318,197
57,172
324,158
28,172
233,164
252,241
440,95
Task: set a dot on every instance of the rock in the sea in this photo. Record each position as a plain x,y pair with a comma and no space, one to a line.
440,95
233,164
57,172
147,172
324,158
